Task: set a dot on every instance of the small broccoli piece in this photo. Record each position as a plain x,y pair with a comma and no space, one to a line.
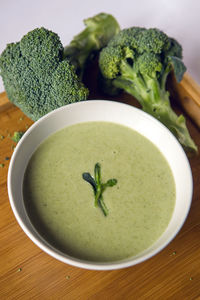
17,136
138,61
36,77
98,32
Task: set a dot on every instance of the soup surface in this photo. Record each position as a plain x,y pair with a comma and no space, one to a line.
61,204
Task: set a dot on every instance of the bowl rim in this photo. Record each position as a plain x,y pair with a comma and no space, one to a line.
55,252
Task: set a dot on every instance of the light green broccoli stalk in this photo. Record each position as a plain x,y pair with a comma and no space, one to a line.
138,61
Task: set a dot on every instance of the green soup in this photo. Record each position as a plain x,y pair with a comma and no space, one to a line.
61,204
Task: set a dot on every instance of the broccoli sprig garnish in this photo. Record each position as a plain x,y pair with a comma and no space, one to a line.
138,61
40,76
99,187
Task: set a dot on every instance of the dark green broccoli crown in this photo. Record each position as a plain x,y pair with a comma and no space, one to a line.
147,51
66,86
153,40
141,40
127,38
35,76
41,44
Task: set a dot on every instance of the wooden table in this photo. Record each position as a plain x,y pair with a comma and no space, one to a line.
26,272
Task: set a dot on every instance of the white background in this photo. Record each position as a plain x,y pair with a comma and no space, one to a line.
178,18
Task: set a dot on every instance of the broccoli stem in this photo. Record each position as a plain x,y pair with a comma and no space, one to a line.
103,206
154,99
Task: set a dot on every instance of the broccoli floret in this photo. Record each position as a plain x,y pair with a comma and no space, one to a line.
40,76
98,32
35,76
138,61
17,136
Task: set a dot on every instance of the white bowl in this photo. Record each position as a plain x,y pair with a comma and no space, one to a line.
100,110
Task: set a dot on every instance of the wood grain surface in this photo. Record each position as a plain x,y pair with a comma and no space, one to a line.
26,272
187,94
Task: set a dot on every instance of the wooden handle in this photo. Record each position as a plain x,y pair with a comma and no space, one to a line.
187,92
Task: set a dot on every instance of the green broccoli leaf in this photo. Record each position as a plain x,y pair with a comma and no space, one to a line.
178,67
87,177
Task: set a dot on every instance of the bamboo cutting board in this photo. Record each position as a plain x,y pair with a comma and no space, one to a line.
26,272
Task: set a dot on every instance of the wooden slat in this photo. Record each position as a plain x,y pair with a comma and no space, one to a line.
4,102
188,94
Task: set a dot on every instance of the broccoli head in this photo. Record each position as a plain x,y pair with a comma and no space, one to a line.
138,61
36,77
39,75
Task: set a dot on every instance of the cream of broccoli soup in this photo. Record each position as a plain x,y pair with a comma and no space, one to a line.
61,204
